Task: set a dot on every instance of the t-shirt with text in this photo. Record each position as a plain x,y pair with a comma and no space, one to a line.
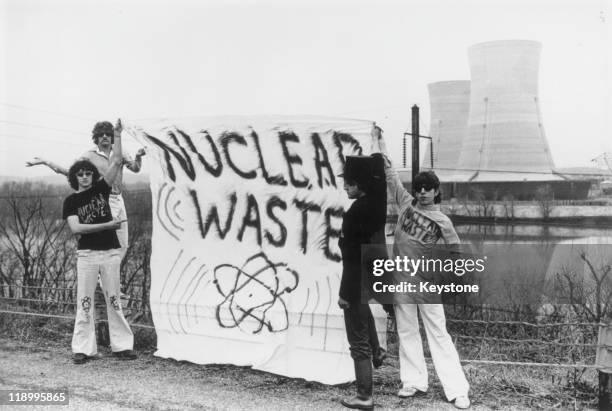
91,207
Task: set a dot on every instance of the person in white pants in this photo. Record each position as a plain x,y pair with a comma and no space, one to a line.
420,226
90,264
98,254
413,369
100,156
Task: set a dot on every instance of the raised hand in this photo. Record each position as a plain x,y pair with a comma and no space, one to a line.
118,127
376,132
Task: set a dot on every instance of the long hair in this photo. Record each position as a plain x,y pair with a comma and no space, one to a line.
78,166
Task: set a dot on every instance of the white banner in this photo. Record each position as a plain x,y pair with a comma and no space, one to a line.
245,262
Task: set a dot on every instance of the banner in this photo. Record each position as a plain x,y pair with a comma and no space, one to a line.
245,262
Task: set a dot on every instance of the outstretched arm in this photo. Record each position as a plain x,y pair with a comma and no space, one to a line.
41,161
116,160
396,193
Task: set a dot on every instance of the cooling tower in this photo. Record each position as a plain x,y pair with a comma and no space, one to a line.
450,106
505,129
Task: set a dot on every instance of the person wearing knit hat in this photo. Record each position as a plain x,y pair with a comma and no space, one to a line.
365,217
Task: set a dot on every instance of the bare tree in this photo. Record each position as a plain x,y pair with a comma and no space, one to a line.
589,290
484,208
34,240
545,196
509,203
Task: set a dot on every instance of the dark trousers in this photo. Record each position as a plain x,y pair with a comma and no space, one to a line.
360,331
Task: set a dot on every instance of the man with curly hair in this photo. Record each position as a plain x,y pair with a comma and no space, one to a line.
100,157
89,216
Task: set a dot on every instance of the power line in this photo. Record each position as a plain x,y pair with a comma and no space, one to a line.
374,109
17,123
18,137
17,106
435,168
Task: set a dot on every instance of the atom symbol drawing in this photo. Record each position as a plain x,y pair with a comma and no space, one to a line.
253,294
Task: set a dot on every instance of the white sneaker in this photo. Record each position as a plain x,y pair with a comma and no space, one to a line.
462,402
407,392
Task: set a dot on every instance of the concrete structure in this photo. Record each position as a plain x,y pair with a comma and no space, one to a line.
488,134
505,131
450,107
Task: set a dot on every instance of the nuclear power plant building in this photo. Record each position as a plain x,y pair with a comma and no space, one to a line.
450,108
487,133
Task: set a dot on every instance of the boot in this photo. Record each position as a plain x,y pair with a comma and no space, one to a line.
363,375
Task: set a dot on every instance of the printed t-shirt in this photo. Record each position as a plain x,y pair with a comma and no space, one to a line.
91,207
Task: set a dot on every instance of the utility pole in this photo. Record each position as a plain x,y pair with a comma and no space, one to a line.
415,144
404,151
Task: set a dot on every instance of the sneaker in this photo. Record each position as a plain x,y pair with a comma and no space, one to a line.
125,355
407,392
462,402
379,356
79,358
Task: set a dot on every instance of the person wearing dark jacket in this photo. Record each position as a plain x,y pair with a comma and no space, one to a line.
365,217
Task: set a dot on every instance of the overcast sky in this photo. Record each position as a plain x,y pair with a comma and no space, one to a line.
66,64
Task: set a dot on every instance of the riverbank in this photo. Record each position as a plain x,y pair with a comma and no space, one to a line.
586,213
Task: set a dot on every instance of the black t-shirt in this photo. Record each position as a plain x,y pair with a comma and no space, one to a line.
91,206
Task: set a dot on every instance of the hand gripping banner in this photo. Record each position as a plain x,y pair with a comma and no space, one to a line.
245,262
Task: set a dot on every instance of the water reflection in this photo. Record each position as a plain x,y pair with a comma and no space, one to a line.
539,263
529,233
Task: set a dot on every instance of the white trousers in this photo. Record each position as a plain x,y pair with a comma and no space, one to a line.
90,264
413,369
117,206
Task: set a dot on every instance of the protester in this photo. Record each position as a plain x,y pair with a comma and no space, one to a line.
364,218
98,253
419,227
100,156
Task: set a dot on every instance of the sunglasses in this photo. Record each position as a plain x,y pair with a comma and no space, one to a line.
85,174
427,187
104,134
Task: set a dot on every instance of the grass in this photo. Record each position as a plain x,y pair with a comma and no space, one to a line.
492,387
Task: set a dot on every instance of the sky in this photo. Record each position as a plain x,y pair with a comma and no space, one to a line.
67,64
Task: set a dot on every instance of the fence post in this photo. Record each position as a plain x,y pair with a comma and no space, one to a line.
603,360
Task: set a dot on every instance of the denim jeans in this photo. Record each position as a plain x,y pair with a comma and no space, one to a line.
358,320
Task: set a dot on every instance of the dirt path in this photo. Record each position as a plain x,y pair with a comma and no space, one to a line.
153,383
